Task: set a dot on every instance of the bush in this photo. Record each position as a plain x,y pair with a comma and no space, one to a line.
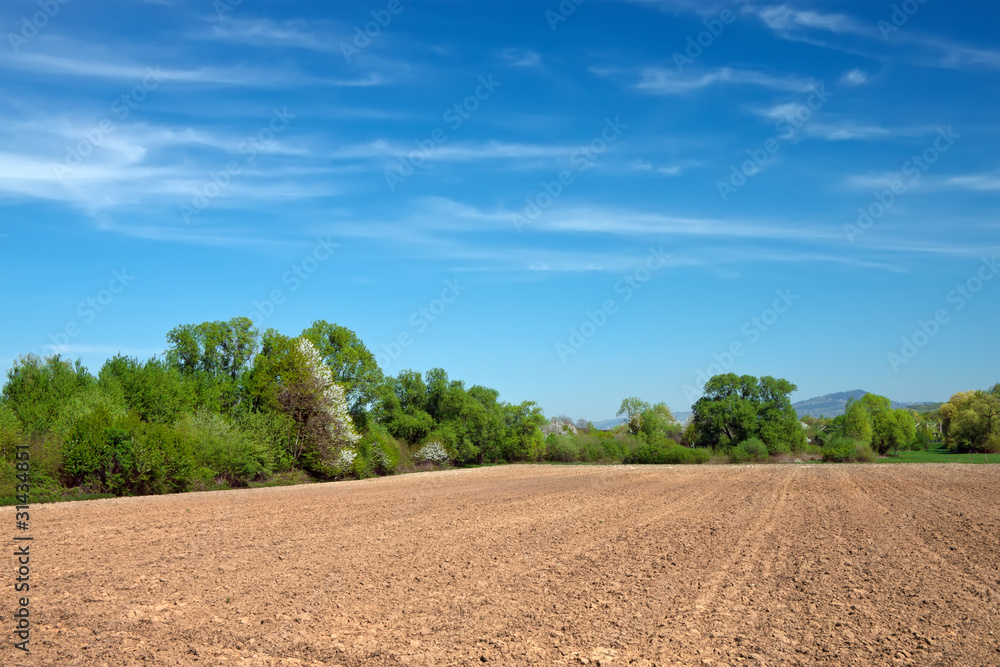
602,447
176,470
221,450
561,449
432,452
663,453
865,454
779,447
11,432
82,404
751,449
842,449
103,455
273,432
385,452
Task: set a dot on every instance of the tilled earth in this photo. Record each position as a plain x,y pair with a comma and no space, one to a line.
513,565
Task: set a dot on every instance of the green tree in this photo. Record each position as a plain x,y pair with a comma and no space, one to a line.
777,422
216,348
632,409
11,433
353,365
153,390
905,432
857,422
971,421
217,356
37,388
657,424
726,414
735,408
884,423
289,375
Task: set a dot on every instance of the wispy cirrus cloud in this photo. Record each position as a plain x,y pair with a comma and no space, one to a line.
234,75
975,182
292,34
517,57
982,182
661,170
787,20
668,81
793,113
807,25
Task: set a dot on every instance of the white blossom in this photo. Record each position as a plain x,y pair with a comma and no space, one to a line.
330,396
345,460
433,452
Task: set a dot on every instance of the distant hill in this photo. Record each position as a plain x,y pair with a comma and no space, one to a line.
834,405
608,424
924,407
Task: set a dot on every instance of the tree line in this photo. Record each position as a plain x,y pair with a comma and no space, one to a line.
227,405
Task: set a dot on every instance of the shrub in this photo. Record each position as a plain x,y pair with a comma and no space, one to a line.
222,450
561,448
778,447
273,432
842,449
751,449
385,452
11,433
865,454
349,463
663,453
103,454
176,470
432,452
81,404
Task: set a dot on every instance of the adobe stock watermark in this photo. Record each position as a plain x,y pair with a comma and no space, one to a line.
218,181
961,295
564,10
294,277
37,21
87,310
714,27
381,19
121,107
223,7
901,13
798,116
909,174
419,321
627,286
582,159
751,330
454,116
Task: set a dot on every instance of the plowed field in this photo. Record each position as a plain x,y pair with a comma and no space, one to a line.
514,565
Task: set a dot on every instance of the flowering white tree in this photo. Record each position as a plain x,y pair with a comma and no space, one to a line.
317,404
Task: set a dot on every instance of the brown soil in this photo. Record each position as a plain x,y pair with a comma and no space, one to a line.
547,565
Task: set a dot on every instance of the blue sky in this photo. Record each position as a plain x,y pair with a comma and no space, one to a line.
569,203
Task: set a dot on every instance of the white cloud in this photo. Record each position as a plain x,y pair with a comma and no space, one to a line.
665,81
250,77
295,34
982,182
672,170
520,57
784,18
854,77
928,50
